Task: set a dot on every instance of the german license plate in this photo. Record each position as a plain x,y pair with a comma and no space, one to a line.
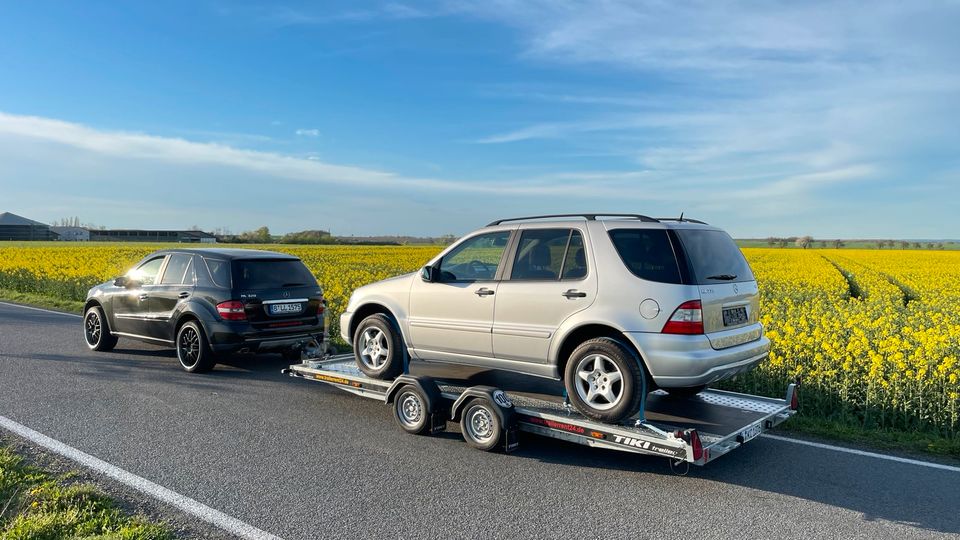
750,433
285,309
734,316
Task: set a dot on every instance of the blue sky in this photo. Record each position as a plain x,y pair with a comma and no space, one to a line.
766,118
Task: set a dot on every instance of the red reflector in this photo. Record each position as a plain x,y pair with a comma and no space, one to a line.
696,444
795,399
686,319
232,310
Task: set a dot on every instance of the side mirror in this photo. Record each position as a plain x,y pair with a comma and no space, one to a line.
429,274
121,281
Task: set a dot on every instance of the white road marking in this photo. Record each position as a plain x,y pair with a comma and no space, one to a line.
188,505
863,453
40,309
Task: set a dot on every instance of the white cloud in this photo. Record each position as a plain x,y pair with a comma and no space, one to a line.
307,132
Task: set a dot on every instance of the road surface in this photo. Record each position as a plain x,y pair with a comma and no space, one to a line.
302,460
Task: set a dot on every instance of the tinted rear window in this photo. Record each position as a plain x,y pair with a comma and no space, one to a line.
714,257
271,274
647,253
219,272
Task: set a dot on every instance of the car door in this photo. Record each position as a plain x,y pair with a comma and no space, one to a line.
450,319
131,306
549,280
174,286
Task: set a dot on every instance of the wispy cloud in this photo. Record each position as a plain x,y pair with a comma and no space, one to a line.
307,133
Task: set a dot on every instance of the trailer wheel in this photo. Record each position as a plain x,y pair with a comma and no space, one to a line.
378,347
480,425
411,409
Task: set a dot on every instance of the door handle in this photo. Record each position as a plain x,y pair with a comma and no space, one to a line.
184,294
483,291
144,296
573,293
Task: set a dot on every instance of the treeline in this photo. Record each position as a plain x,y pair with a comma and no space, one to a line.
321,237
809,242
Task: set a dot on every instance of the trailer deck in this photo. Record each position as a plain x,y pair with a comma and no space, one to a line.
694,430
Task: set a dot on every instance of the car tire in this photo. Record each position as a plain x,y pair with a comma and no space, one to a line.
601,369
193,349
685,393
378,347
96,330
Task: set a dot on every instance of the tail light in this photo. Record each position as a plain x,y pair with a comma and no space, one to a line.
686,319
693,439
321,306
795,399
232,310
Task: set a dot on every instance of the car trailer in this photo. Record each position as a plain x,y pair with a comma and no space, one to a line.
693,430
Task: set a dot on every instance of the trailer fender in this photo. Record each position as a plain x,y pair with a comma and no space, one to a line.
502,404
427,385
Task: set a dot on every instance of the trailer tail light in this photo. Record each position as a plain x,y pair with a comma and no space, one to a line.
232,310
696,445
795,399
686,319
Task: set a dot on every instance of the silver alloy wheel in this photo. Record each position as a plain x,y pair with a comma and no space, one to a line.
599,382
188,347
479,424
375,350
92,328
410,410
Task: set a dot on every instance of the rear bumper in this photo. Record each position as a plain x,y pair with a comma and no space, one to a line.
228,337
677,361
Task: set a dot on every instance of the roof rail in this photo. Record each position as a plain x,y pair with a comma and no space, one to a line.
588,217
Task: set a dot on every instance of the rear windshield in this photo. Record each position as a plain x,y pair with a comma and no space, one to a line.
714,257
271,274
647,253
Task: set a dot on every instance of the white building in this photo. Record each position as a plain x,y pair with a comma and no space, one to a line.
72,234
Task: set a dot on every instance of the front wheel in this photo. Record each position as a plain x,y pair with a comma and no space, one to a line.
378,348
193,349
96,331
604,380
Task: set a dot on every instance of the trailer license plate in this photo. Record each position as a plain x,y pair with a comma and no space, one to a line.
750,433
283,309
734,316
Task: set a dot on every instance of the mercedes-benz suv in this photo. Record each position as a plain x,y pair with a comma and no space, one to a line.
614,305
209,302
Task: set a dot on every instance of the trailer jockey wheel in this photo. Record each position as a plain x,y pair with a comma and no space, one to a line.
412,410
480,425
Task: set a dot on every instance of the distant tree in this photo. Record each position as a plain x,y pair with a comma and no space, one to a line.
823,243
783,242
804,241
917,245
939,245
929,245
259,236
308,237
838,244
447,239
772,241
904,244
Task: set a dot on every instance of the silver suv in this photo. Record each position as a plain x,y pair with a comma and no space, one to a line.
614,307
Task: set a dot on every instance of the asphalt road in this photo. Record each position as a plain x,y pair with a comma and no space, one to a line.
303,460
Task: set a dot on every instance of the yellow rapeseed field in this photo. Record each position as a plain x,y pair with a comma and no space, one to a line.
874,335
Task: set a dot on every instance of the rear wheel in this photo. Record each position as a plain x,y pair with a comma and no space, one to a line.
378,347
96,331
193,349
604,380
480,425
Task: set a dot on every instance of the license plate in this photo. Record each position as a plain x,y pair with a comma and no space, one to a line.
750,433
285,309
734,316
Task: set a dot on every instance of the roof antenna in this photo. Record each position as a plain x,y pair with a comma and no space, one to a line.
681,216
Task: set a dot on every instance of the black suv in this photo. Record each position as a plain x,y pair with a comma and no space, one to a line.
207,302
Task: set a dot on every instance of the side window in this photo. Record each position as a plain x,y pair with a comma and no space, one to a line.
575,261
176,269
540,254
475,259
219,272
190,278
647,253
147,272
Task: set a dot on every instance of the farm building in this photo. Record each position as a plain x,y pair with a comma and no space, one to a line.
14,227
72,234
140,235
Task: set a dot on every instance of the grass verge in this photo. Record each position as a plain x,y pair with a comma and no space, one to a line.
919,444
39,300
36,505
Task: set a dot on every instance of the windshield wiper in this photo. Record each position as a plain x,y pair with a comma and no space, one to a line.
725,277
